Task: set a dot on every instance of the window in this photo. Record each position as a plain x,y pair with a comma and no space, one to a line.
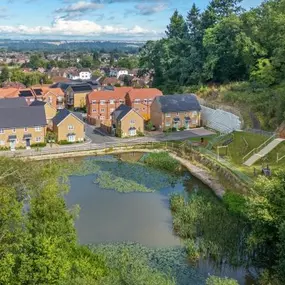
167,115
1,131
38,129
143,109
150,100
70,127
167,124
194,113
112,101
102,117
102,102
93,101
132,122
71,138
177,114
38,139
94,111
50,99
121,101
103,110
2,142
14,130
145,100
25,129
137,100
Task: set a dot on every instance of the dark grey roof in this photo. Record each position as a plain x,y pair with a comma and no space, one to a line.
13,103
81,88
22,117
121,111
38,103
62,114
178,103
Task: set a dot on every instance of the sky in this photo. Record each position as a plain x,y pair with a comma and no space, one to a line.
92,19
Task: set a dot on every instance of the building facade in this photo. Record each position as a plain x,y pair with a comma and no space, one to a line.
126,122
141,100
76,95
68,127
175,112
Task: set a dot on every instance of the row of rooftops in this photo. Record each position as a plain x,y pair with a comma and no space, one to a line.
16,113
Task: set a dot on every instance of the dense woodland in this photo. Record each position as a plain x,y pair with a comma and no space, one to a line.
221,45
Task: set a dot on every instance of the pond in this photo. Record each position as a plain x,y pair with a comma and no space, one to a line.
108,216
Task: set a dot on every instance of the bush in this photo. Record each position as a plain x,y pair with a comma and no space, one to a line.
64,142
213,280
140,134
173,129
42,144
4,148
182,129
235,202
192,250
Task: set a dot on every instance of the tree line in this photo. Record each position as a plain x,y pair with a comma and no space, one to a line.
221,44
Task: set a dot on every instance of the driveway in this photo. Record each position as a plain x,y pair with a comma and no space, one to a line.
97,136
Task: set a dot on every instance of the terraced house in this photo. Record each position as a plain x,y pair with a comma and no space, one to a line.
175,112
21,125
101,105
141,99
76,95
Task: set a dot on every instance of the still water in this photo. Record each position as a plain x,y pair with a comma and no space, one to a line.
108,216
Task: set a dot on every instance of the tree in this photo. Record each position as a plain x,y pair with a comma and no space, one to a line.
5,74
263,73
177,27
86,61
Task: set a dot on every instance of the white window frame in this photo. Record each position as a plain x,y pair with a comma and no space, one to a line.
167,115
38,139
102,110
93,101
137,101
132,122
70,127
38,129
102,117
13,130
94,111
112,101
2,131
73,138
25,130
102,102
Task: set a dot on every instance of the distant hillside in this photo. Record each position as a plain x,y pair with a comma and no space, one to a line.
59,46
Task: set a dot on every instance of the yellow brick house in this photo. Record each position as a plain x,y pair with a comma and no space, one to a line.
68,127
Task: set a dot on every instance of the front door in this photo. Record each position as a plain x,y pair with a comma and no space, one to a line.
71,138
13,144
28,143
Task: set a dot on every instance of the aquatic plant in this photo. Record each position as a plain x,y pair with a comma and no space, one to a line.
107,180
220,234
163,161
160,262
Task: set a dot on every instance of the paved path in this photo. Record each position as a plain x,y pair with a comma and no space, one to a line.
98,142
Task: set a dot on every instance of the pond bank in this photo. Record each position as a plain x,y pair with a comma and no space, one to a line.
199,172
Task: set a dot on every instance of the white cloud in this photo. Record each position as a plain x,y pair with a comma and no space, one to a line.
81,6
63,27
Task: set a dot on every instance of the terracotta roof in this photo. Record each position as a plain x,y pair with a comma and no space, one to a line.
59,79
144,93
110,81
9,92
117,94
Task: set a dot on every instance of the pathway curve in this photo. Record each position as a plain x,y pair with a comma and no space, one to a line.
202,174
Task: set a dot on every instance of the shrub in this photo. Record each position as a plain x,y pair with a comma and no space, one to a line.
182,129
214,280
140,134
4,148
42,144
173,129
235,202
192,250
64,142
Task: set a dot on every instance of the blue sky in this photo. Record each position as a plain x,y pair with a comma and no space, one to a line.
92,19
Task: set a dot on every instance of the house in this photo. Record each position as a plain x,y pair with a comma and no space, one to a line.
50,111
101,104
68,127
141,100
175,111
76,95
116,72
126,122
111,81
20,124
83,74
